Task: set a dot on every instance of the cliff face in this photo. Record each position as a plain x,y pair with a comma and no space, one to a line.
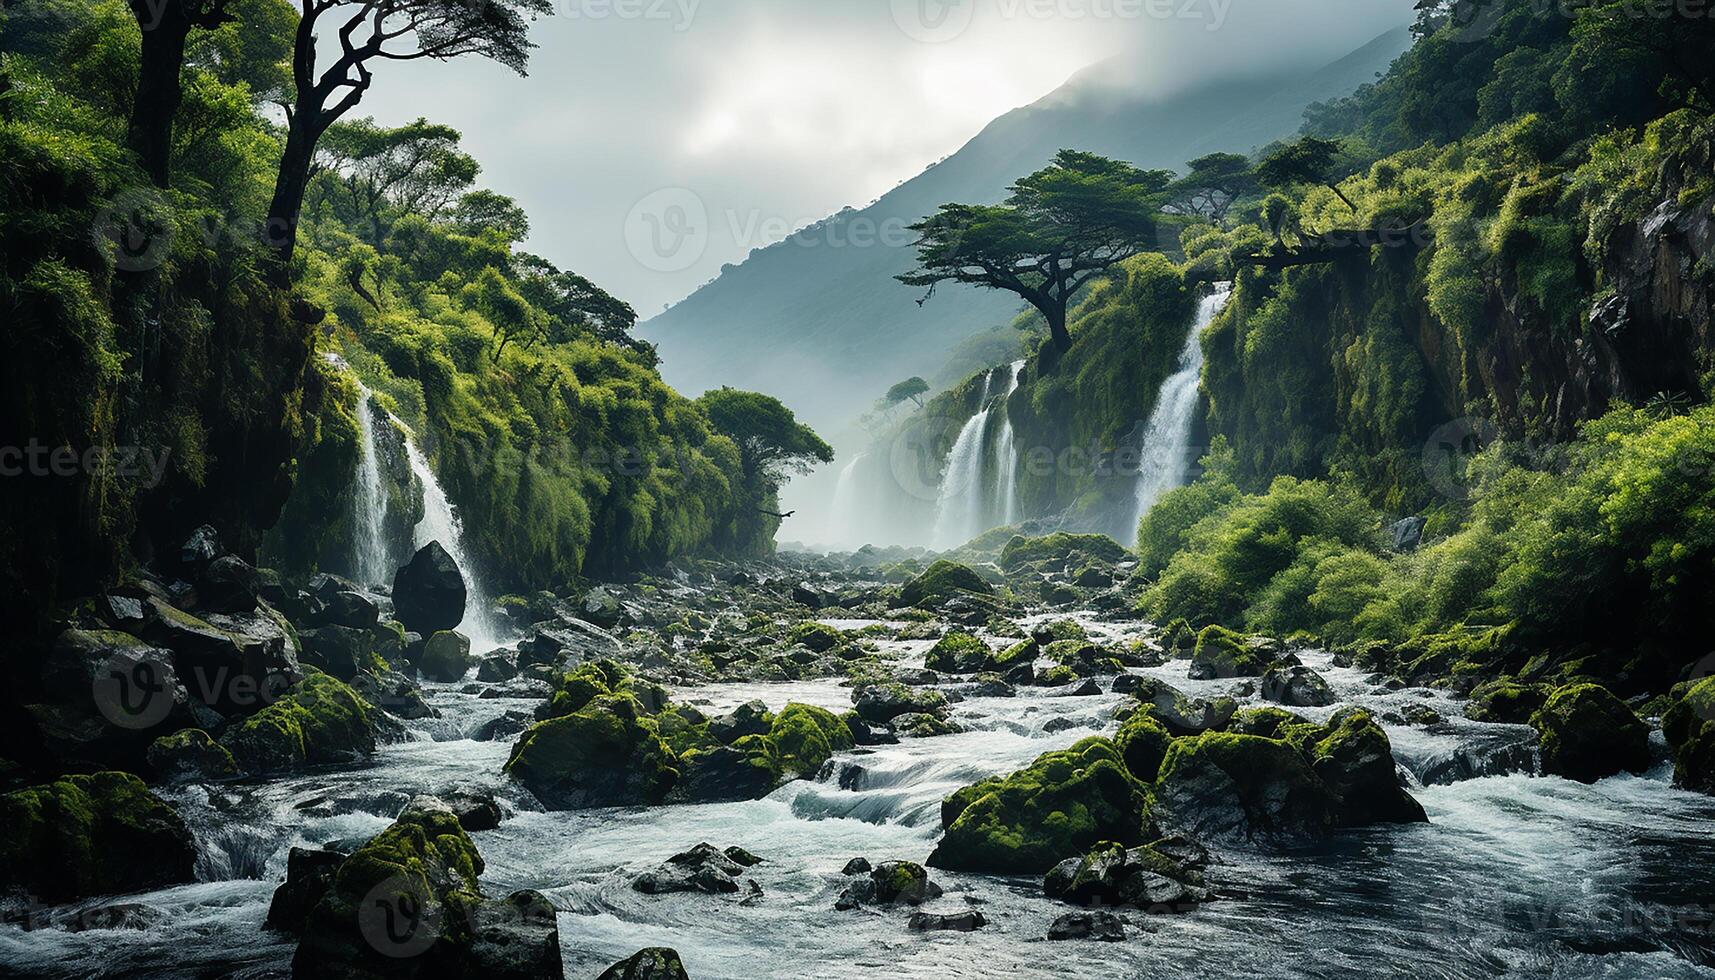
1346,367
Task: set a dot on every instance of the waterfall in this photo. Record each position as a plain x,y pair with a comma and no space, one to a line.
960,503
844,527
372,559
1165,457
441,523
1006,458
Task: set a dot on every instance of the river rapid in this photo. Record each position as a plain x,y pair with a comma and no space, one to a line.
1514,875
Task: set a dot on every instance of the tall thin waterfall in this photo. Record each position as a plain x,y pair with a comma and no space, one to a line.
441,523
1165,457
1006,459
959,501
372,560
845,505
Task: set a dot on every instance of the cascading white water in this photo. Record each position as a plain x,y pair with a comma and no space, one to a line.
845,503
372,559
1164,459
1006,458
441,523
959,501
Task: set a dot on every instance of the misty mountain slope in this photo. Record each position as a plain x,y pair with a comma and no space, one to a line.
820,322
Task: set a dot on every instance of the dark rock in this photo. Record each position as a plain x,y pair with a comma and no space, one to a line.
1085,689
338,650
958,922
658,963
881,703
741,857
395,693
515,938
1242,787
806,594
1141,877
865,733
723,774
749,718
446,657
475,811
348,607
1103,926
1406,534
429,591
1296,687
601,607
309,875
1355,760
229,585
200,549
1588,734
190,755
1220,652
856,866
495,669
914,677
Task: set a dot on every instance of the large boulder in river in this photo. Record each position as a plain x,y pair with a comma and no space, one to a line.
959,653
1222,786
1587,734
190,756
607,753
408,904
881,703
1689,724
1142,877
446,656
99,834
106,695
429,591
655,963
1353,758
321,721
941,581
1063,803
1221,652
1296,686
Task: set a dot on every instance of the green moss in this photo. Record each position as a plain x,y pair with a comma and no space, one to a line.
1689,725
1062,547
805,736
959,653
446,656
607,753
1222,652
941,581
1587,733
1505,700
819,637
320,721
1143,743
91,835
1061,805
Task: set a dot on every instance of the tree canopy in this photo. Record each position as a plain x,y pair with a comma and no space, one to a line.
911,388
1061,227
1212,185
1306,160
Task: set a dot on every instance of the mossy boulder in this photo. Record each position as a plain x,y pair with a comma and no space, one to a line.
1079,549
1506,700
321,721
748,769
1114,875
941,581
188,755
819,637
881,703
959,653
1588,734
1222,786
1083,658
1353,758
1063,803
1143,743
607,753
806,736
1179,713
1689,724
446,656
1220,652
97,834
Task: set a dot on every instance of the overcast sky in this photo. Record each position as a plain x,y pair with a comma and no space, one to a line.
774,113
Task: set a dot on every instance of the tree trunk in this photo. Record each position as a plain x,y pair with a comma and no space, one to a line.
150,132
281,232
1055,314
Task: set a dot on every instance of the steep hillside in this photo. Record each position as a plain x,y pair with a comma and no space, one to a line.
826,328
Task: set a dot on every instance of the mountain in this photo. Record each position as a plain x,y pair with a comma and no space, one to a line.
818,320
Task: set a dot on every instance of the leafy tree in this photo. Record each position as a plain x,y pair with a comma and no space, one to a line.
373,171
1212,186
772,443
391,30
1306,160
911,388
1646,39
577,307
483,211
1061,227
